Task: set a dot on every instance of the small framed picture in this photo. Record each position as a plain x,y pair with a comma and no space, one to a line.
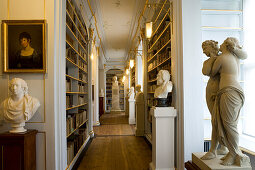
24,46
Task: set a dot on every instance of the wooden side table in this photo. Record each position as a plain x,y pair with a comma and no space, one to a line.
101,106
18,150
191,166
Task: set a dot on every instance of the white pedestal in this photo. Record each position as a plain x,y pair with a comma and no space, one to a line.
139,109
131,119
162,138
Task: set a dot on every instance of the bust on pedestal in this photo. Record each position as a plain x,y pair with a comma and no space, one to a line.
115,95
131,101
162,126
139,108
19,107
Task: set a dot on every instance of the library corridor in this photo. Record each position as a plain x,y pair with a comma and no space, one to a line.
115,146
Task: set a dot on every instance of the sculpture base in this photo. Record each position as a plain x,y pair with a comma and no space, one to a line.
214,164
162,102
18,128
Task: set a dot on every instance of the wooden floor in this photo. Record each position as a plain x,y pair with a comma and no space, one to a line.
115,147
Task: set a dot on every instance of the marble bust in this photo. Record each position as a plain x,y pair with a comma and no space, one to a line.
139,98
101,94
164,83
132,94
115,81
228,103
19,107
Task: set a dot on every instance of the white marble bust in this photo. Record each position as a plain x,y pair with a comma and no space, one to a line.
139,98
101,94
19,107
115,81
165,85
132,94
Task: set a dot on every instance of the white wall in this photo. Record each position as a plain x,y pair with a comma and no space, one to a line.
192,78
41,85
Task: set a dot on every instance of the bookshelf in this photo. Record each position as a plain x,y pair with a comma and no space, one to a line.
158,54
109,76
132,74
77,116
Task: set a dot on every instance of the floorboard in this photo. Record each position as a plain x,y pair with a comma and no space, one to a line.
115,147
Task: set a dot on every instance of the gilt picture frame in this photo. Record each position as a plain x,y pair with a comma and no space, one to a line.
23,46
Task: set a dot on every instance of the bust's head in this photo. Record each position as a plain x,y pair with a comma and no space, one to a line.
138,88
18,87
131,89
114,78
162,77
210,47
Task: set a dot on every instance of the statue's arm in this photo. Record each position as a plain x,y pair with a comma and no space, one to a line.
216,67
207,66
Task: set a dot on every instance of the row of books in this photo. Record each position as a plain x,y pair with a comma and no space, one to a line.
81,100
75,143
68,85
71,55
83,76
82,65
73,121
81,88
69,101
152,88
152,65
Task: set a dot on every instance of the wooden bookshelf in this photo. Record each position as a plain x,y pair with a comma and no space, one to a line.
77,115
158,54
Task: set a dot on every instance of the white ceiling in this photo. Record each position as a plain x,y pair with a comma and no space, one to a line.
118,19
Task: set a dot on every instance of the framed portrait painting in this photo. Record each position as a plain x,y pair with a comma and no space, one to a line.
24,46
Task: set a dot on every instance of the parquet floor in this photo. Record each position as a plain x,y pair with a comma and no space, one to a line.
115,147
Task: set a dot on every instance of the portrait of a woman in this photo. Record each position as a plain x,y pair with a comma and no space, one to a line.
27,56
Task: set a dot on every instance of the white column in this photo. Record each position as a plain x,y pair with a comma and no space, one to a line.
162,138
131,119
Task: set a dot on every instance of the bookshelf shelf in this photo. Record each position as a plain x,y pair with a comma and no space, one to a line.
77,128
76,79
77,106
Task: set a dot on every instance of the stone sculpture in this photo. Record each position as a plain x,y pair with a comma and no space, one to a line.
139,98
165,86
211,50
19,107
115,94
228,103
131,93
101,94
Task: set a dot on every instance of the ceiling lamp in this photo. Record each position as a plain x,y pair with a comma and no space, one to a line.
92,56
123,79
148,29
131,63
127,71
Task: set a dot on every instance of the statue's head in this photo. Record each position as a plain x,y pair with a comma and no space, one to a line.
132,89
210,47
18,86
230,44
114,78
163,76
138,87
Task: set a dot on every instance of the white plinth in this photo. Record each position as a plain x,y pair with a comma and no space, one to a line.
162,138
131,119
214,164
